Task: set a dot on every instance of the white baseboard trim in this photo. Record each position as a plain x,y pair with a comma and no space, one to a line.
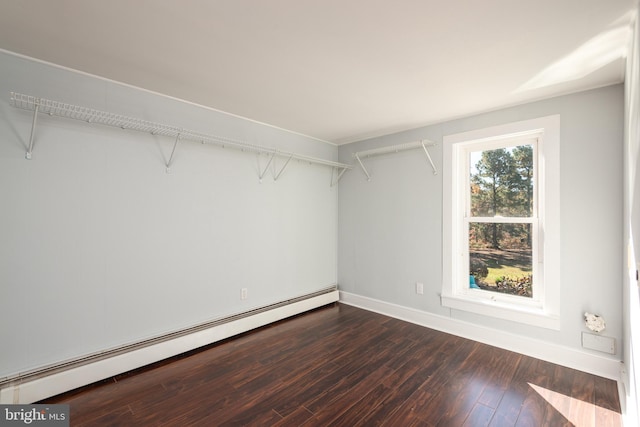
51,385
560,355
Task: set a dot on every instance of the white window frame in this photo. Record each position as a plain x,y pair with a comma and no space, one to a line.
543,309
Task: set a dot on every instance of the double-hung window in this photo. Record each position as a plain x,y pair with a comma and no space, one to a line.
500,217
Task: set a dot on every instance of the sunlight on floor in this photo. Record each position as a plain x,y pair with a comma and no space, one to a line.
579,413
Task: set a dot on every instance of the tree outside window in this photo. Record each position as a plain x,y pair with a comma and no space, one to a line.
500,219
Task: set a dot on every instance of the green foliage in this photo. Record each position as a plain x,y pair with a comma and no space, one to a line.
515,285
490,184
478,269
509,271
502,185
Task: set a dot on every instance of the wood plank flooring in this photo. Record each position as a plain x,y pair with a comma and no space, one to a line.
343,366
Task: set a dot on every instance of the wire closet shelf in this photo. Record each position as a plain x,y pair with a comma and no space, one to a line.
89,115
395,149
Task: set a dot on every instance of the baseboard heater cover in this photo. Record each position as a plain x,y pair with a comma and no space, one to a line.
32,386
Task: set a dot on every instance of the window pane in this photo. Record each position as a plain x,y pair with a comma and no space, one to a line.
500,258
501,182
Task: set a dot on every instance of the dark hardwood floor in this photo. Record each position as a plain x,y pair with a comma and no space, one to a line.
343,366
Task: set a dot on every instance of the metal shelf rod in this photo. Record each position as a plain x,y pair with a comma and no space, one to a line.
335,181
261,175
175,144
60,109
33,129
275,178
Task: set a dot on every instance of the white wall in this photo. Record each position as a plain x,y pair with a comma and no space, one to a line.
631,242
390,230
100,247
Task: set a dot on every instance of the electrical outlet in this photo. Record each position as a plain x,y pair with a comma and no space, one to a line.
419,288
244,293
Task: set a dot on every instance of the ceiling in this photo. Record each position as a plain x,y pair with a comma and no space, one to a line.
336,70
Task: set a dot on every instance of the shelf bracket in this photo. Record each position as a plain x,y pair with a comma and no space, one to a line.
362,166
433,166
337,178
33,129
261,173
275,178
175,144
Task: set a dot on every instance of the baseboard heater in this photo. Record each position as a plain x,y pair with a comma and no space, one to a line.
47,381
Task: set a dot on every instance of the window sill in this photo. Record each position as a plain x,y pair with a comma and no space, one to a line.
501,310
